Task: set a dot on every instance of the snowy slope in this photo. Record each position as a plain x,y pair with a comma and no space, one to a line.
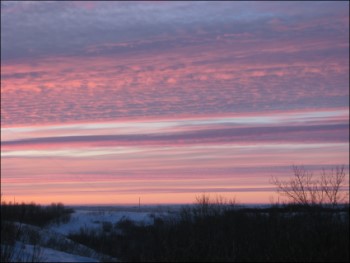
35,241
46,238
29,253
52,244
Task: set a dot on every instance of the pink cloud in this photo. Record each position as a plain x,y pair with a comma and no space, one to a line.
118,105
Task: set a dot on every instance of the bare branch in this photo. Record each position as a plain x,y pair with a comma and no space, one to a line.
303,188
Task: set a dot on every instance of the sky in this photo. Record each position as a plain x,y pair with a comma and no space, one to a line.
109,102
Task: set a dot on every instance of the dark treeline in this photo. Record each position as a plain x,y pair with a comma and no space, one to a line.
35,214
208,233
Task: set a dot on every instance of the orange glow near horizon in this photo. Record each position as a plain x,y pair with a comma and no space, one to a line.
147,199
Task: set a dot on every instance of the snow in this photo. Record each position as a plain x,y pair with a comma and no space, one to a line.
94,219
53,240
53,245
51,255
30,253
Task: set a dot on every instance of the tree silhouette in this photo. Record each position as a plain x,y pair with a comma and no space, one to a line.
306,189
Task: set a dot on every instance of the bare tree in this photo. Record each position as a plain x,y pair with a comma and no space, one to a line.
306,189
206,205
331,184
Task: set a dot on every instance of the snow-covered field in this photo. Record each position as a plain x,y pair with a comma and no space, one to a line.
94,218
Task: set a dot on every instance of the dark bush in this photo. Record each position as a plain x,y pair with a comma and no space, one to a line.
284,233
